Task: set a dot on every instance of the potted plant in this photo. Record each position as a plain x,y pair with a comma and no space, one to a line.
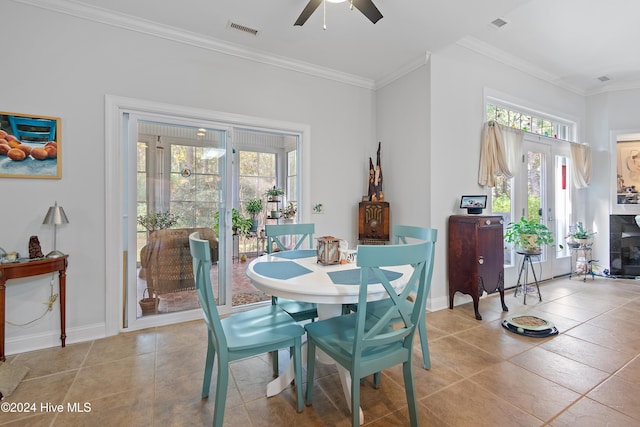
239,223
289,212
529,235
158,220
254,207
274,194
579,236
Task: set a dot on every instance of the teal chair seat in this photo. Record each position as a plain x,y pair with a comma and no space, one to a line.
240,335
265,326
298,234
365,344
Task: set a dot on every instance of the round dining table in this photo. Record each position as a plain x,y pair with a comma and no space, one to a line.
297,275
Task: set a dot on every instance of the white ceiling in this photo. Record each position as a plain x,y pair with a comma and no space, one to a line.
568,42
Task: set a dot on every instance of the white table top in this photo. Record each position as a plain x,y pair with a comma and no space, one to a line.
316,285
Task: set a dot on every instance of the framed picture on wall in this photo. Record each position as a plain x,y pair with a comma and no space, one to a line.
30,146
628,173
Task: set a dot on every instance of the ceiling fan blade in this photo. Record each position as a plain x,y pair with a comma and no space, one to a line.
308,10
368,9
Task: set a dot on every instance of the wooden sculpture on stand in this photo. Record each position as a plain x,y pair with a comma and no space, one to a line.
373,215
375,179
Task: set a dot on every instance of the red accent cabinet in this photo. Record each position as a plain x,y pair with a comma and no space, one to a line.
476,257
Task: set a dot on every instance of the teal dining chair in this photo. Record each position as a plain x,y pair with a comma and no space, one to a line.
241,334
366,345
297,235
404,234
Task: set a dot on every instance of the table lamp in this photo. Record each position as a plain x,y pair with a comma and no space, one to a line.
56,216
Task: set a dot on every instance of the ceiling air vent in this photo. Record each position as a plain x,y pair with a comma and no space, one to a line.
499,23
604,79
243,28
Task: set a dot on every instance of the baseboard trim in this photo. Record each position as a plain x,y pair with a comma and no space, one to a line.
51,339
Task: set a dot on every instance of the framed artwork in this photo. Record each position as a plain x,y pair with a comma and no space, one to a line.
30,146
628,173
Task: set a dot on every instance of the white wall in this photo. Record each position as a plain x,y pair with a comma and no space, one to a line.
64,66
403,128
459,80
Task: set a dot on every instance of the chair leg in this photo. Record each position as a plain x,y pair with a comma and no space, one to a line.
274,354
376,380
424,344
311,365
208,366
221,391
274,363
297,364
355,398
407,371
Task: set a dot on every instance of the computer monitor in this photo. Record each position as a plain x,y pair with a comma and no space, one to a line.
473,204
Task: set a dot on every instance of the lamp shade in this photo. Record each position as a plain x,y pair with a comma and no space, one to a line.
55,215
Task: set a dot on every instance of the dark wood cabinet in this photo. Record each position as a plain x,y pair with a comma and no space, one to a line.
373,222
476,257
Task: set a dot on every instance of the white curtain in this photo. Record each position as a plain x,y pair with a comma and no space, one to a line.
500,153
581,162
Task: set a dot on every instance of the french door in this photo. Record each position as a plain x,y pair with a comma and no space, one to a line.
541,191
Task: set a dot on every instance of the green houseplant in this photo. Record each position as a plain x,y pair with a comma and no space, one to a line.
579,236
239,223
289,212
274,193
254,207
529,235
158,220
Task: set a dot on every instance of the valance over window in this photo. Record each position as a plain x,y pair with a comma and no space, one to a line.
500,151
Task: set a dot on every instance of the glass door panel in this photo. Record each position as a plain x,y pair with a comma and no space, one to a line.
562,213
538,203
180,183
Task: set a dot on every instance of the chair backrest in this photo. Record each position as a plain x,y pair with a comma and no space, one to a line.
201,254
33,130
371,259
300,232
402,233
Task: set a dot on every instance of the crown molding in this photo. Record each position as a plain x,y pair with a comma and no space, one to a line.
140,25
532,69
406,69
616,87
519,64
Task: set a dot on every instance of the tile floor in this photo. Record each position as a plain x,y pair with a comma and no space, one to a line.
481,375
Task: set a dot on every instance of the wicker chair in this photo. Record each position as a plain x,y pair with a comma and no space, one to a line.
166,259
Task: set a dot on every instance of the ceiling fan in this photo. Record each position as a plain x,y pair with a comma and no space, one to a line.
367,8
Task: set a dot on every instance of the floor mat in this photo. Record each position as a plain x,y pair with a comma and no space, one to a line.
10,378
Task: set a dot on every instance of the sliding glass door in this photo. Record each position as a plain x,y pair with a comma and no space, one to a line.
179,187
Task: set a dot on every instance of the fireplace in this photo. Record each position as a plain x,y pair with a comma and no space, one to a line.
624,246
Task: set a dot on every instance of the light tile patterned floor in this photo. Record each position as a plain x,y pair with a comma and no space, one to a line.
481,375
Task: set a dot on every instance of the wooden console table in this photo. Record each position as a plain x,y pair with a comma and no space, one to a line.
16,270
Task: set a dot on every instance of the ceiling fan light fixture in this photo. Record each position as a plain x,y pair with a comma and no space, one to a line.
367,8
